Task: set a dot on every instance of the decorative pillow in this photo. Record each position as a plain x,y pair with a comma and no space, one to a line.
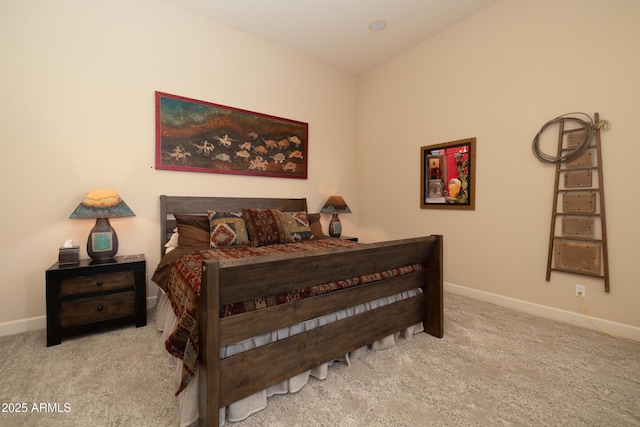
173,241
227,229
315,225
265,226
193,230
297,225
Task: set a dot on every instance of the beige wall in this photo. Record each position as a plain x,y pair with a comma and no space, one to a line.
78,82
499,76
77,111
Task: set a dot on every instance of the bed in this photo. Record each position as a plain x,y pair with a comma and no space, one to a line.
223,380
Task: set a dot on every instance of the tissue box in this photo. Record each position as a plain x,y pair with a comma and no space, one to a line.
69,256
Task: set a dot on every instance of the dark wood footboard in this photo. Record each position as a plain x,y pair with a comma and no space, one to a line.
223,381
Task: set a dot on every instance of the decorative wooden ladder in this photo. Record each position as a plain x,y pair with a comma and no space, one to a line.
579,244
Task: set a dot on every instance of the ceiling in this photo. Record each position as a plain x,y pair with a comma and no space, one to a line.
336,31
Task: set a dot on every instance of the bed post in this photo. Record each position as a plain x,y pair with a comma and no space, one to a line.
434,292
209,367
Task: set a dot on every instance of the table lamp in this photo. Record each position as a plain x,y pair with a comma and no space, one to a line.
102,204
335,205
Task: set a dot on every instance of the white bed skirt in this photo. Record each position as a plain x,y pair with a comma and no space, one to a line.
166,322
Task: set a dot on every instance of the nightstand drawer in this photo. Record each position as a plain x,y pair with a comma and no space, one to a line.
96,283
93,309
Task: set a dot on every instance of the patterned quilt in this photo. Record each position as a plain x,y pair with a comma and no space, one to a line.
179,275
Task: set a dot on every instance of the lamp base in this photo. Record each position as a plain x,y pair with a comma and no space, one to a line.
102,244
335,227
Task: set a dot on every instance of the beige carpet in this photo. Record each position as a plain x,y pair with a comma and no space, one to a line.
495,366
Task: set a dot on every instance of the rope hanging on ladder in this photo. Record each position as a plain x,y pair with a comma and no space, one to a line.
589,127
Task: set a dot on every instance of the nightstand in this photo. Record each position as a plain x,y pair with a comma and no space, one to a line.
90,295
353,239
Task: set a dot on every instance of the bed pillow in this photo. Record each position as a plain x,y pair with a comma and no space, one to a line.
315,225
297,225
265,226
193,230
173,241
227,229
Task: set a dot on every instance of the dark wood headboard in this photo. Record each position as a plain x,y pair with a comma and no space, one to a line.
170,205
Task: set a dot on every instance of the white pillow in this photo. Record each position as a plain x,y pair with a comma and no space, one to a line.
173,241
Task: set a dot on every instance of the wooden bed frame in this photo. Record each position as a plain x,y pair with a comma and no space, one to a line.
224,381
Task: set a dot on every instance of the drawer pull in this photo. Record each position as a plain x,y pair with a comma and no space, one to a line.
99,283
100,308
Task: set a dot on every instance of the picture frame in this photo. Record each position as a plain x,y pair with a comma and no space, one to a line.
200,136
447,175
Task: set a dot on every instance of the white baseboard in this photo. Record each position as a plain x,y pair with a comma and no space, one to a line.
617,329
40,322
23,325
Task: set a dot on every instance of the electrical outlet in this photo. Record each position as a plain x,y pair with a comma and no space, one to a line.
581,291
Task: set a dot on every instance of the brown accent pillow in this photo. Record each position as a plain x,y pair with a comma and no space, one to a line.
193,230
265,226
315,225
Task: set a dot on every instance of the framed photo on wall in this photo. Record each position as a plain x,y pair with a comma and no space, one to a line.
447,175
